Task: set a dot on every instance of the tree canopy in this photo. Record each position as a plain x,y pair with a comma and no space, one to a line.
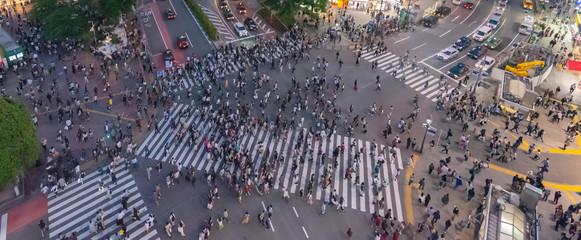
19,145
287,9
73,20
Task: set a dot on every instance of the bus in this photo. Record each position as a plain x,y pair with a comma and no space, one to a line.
527,4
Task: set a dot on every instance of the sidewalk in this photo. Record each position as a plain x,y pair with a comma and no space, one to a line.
17,222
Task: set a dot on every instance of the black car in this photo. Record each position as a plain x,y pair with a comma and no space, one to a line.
463,43
458,70
468,5
477,51
223,4
170,13
241,8
183,42
250,24
228,14
442,11
430,21
168,55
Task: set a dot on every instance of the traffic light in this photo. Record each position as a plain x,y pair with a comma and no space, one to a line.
153,85
108,135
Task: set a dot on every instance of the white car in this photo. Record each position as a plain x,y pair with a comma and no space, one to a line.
502,5
498,13
448,53
494,21
484,65
482,33
456,2
240,29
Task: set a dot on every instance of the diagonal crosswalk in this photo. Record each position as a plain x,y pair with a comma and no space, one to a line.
78,203
286,176
220,26
425,84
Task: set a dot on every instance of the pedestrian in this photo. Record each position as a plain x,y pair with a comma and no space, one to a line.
421,183
246,218
43,227
448,225
225,216
421,198
446,199
458,182
172,219
431,168
220,223
411,179
557,195
355,85
168,229
349,233
470,193
427,201
181,226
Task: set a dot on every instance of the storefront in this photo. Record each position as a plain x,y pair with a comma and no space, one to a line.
366,4
10,52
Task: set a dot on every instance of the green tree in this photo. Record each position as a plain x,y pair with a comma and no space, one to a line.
111,10
60,20
286,10
19,145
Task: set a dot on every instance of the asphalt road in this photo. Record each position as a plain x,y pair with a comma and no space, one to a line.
162,33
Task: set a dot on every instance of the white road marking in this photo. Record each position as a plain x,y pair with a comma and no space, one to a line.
5,226
264,207
305,231
402,39
296,213
159,29
471,12
455,18
457,59
445,33
419,46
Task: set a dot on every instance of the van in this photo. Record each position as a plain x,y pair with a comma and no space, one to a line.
494,21
482,33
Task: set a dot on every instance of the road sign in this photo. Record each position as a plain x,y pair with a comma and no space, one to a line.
432,131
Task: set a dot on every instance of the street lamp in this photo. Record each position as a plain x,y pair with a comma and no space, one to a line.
427,125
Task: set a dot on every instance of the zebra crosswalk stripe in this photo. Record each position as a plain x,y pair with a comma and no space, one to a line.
262,138
71,211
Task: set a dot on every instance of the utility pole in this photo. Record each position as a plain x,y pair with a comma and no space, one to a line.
427,125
